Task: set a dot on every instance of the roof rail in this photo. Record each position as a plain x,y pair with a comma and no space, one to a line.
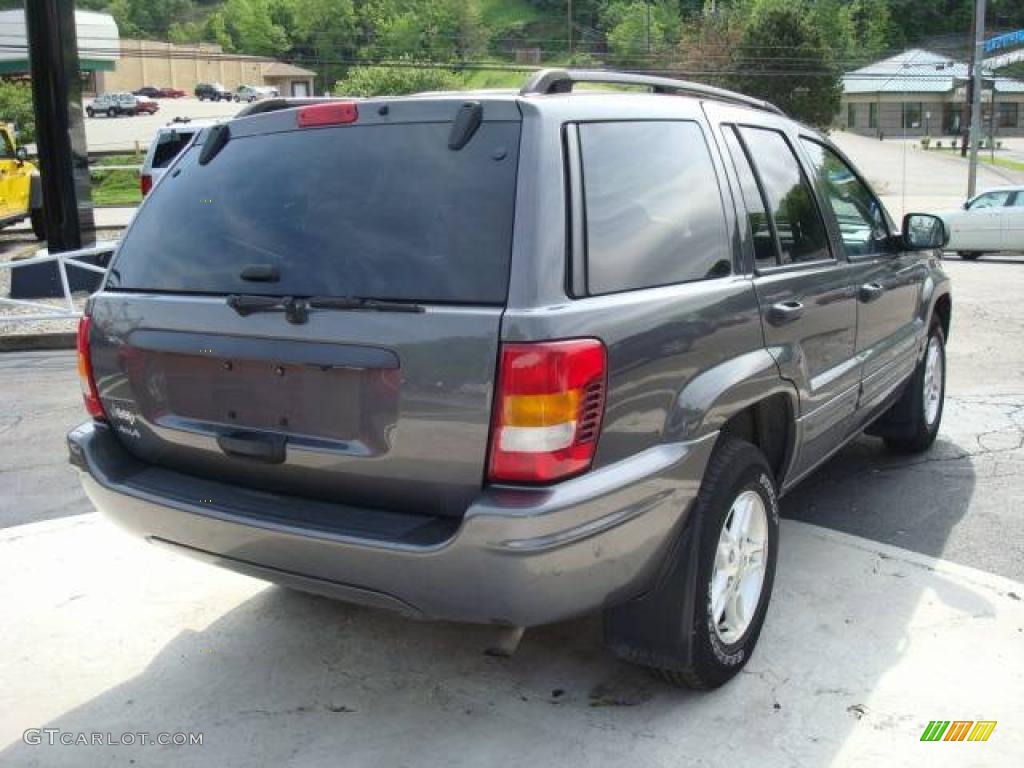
285,102
562,80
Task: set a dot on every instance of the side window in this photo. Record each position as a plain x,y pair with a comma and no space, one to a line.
798,223
859,215
653,206
1018,201
990,200
6,148
765,253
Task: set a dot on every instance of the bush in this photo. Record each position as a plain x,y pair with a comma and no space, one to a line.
16,107
926,142
938,144
396,81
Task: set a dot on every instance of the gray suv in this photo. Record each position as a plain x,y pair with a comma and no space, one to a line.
508,358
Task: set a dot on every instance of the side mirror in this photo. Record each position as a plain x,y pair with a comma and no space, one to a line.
923,232
21,153
967,205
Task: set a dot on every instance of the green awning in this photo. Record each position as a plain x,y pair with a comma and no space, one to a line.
14,66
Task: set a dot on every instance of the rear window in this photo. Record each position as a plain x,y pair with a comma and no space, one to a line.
169,145
384,211
653,206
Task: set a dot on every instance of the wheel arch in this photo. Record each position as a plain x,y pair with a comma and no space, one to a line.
743,397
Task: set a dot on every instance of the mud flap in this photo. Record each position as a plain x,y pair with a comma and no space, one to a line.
898,419
656,629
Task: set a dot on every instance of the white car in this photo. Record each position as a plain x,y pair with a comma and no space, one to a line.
113,104
991,221
167,144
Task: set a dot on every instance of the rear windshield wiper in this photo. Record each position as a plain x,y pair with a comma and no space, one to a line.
297,309
356,302
244,304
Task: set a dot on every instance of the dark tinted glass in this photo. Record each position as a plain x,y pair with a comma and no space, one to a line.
757,215
800,228
374,211
653,207
169,144
859,215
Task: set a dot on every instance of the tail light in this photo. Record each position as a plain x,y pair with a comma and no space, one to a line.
548,410
89,392
145,183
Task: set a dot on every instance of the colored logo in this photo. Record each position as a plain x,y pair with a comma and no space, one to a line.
958,730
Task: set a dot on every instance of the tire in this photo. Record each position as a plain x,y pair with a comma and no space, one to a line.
38,223
111,112
737,474
968,255
89,111
924,398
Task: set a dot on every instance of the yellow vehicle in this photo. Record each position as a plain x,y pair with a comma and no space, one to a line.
21,196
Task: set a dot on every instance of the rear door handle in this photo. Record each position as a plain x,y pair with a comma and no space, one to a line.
871,291
253,445
785,312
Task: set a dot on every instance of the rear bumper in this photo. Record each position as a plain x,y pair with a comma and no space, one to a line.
519,556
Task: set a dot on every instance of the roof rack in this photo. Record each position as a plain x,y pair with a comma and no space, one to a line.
547,81
285,102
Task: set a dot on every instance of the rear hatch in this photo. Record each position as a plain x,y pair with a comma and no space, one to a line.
233,339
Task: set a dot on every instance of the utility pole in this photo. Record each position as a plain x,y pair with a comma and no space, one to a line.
648,6
965,111
978,60
60,144
568,26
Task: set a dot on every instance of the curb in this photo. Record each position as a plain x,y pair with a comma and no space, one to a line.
25,342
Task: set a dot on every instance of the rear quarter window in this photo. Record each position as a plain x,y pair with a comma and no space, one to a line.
653,206
168,145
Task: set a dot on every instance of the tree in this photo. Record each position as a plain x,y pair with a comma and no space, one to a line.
16,108
396,80
636,30
784,59
708,44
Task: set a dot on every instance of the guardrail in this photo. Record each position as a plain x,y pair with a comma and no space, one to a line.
63,261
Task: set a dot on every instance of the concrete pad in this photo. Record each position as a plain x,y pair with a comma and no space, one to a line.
864,645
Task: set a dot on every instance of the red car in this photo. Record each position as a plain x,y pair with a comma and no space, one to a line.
171,93
145,106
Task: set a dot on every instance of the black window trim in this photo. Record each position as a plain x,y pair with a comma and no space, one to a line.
750,267
834,221
577,248
575,214
796,265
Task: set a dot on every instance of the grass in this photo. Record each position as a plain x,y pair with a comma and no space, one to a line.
1002,162
502,15
985,156
116,186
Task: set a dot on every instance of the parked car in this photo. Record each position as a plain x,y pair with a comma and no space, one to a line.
165,147
509,358
171,93
150,91
251,93
989,222
144,105
21,196
212,92
113,105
